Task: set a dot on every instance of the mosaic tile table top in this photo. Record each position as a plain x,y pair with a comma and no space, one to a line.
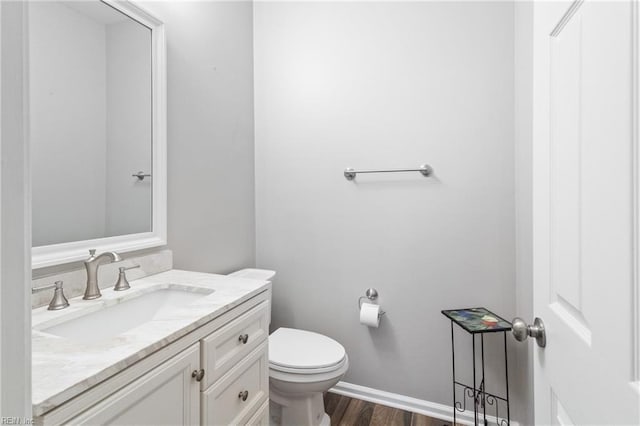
477,320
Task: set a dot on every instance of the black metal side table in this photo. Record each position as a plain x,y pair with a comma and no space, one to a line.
479,321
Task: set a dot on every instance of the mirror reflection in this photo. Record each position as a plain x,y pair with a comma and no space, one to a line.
90,88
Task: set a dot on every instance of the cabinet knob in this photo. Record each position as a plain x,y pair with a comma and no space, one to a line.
244,338
243,395
198,374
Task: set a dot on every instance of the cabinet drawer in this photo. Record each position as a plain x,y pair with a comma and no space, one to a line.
261,417
225,347
222,403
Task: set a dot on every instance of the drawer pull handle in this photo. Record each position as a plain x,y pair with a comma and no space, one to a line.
198,374
244,338
243,395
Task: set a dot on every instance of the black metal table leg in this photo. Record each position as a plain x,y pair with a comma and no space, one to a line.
475,401
506,377
453,363
483,384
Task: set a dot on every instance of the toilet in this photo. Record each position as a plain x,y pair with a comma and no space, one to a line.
302,366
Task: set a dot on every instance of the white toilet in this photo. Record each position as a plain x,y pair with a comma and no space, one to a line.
302,366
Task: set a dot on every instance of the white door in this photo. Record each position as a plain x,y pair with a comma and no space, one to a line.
585,212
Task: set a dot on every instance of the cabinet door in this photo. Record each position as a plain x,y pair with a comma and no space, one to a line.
239,394
167,395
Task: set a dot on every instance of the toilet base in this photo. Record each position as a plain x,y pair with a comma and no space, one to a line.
326,420
275,418
275,414
297,398
301,410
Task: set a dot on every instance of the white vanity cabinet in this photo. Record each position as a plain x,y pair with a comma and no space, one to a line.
163,388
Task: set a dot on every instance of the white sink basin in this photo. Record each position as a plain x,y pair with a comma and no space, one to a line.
120,316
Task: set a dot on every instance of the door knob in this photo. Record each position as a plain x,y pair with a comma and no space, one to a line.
521,331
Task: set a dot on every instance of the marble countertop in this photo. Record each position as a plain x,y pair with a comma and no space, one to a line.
63,368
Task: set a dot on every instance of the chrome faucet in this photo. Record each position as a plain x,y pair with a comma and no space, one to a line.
91,264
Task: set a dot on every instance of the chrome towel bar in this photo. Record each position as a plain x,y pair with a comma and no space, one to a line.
425,169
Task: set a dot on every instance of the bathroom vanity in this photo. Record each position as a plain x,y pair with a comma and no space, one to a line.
177,348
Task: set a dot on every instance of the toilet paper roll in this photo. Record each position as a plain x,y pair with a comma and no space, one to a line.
370,315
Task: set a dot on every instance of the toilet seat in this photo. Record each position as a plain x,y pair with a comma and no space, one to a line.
304,352
308,371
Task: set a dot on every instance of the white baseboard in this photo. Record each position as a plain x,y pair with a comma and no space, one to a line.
407,403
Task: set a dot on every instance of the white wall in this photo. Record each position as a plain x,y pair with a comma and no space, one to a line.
67,123
384,85
523,110
210,133
128,128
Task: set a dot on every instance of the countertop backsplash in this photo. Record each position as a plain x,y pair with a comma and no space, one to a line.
75,279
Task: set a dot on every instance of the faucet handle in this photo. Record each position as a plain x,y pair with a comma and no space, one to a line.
123,283
59,301
92,252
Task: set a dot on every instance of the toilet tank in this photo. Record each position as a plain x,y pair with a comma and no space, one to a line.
254,274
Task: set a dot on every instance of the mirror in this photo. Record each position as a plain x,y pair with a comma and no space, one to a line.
96,104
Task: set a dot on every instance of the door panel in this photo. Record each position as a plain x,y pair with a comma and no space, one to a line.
559,415
583,212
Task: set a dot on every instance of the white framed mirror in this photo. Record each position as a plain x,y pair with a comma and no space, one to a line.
97,129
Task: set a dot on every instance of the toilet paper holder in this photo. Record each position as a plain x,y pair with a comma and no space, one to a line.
371,294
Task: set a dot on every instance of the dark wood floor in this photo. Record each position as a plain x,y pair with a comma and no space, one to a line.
345,411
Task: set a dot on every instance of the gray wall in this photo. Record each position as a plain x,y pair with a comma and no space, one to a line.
383,85
210,133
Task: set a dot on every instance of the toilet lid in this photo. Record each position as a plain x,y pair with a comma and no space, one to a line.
292,348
